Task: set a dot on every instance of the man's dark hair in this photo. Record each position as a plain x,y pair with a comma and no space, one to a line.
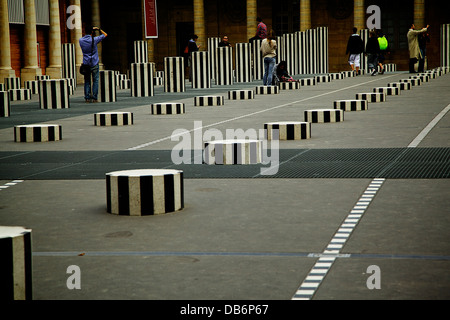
259,19
355,30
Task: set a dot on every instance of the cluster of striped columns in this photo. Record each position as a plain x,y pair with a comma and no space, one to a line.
201,77
174,74
141,80
54,94
224,66
16,267
243,62
140,51
107,87
144,192
228,152
38,133
311,51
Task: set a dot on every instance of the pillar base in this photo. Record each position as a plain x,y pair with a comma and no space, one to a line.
10,73
27,74
54,72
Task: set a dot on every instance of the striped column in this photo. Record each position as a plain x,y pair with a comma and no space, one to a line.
287,130
38,133
42,77
213,44
204,101
69,68
140,51
5,105
323,78
201,77
144,192
389,91
351,105
107,86
372,96
168,108
312,49
308,82
19,94
109,119
16,268
322,49
400,85
241,94
243,62
258,62
33,85
141,80
174,74
267,90
324,115
291,54
445,45
291,85
413,82
12,83
303,52
230,152
364,33
224,66
54,94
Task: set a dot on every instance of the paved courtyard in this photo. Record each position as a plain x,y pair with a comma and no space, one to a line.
358,212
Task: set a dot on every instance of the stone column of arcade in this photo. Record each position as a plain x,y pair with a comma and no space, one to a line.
305,15
97,23
359,15
251,18
419,14
75,35
54,70
31,68
199,23
5,48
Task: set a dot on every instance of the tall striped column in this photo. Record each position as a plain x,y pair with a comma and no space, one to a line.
303,52
224,68
290,43
322,49
174,74
445,45
141,80
201,77
243,62
16,267
258,62
69,68
12,83
54,94
107,86
5,106
311,40
365,37
140,51
213,44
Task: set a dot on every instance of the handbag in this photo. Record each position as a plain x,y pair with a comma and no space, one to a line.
85,69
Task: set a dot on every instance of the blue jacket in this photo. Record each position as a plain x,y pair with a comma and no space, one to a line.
90,54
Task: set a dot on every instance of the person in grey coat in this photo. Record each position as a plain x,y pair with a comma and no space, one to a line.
413,44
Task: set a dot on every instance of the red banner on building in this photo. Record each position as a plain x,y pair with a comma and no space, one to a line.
150,19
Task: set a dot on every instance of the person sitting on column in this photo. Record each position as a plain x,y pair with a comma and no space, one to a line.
281,73
224,42
90,67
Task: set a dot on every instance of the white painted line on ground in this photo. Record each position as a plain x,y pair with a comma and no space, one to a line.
428,128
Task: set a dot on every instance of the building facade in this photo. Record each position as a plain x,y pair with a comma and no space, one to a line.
34,31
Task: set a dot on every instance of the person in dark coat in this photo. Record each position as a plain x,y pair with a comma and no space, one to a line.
355,47
372,52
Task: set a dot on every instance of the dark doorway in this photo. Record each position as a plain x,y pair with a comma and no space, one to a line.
184,31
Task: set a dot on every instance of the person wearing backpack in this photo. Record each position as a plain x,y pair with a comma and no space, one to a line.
372,51
384,48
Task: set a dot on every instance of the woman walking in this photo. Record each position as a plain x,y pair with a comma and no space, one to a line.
268,50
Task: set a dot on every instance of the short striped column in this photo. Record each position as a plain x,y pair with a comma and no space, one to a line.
258,61
174,74
72,85
2,87
422,78
372,96
54,94
349,74
389,91
141,80
308,82
140,51
291,85
337,76
42,77
16,268
201,78
267,90
38,133
241,94
400,85
324,115
390,67
33,85
224,66
243,62
120,77
109,119
413,82
12,83
125,84
5,105
233,152
69,68
323,78
158,81
213,44
144,192
430,75
288,130
351,105
204,101
107,91
168,108
19,94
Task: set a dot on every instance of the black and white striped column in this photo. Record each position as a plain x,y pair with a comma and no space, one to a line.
5,105
144,192
400,85
308,82
16,267
364,33
322,49
107,88
290,52
69,68
109,119
201,78
141,80
389,91
303,52
224,66
174,74
54,94
241,94
140,51
445,45
168,108
19,94
267,89
204,101
351,105
291,85
323,78
230,152
12,83
311,38
33,85
324,115
38,133
288,130
243,62
413,82
213,44
42,77
258,61
372,96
